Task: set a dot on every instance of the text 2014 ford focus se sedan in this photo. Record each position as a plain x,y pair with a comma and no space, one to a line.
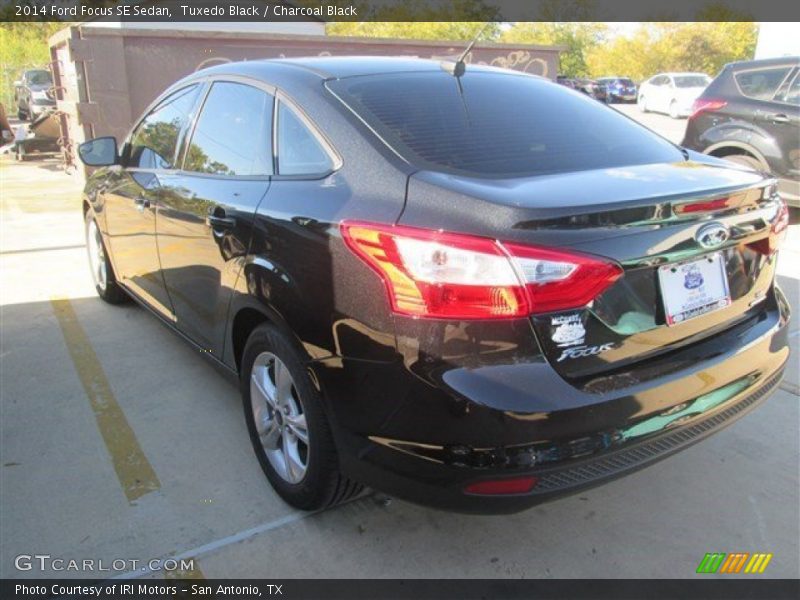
474,289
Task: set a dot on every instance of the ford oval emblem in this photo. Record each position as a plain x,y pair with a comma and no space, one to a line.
712,235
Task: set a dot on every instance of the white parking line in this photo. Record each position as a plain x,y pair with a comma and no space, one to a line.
222,542
235,538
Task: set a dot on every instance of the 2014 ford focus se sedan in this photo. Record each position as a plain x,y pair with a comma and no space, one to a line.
474,289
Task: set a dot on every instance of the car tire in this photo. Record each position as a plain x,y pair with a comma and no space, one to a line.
746,160
105,281
288,427
673,110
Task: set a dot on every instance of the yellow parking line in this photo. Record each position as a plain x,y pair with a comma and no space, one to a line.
134,472
178,574
194,573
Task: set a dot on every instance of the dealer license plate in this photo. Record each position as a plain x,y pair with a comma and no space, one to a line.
694,288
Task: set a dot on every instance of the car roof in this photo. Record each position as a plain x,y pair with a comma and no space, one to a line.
338,67
764,62
680,74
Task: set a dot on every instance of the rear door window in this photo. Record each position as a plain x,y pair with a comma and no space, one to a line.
233,132
299,151
155,140
761,84
790,93
498,125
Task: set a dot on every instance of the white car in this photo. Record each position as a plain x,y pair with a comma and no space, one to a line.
672,93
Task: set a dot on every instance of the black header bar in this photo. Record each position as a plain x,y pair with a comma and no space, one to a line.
398,10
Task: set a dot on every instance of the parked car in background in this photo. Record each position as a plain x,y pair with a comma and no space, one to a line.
619,89
424,289
587,86
591,88
33,93
672,93
566,81
750,114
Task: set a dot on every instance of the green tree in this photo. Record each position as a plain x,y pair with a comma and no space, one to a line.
659,47
22,46
578,38
423,20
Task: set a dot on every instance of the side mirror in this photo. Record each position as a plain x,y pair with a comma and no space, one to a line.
99,152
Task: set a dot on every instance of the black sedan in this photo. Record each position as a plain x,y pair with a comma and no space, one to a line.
424,289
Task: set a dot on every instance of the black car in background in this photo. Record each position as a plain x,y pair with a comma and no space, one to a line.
619,89
587,86
33,93
423,289
750,114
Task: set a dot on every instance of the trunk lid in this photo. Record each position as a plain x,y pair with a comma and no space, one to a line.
644,218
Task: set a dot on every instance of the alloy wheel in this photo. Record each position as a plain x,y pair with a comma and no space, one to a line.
97,255
279,417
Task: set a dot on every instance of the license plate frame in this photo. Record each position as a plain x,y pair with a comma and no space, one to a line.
693,288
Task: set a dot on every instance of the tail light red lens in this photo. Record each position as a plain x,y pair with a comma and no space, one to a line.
706,105
496,487
435,274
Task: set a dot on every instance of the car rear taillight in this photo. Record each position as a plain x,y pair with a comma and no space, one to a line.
706,105
436,274
496,487
777,232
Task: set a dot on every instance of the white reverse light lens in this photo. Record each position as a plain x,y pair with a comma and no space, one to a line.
544,271
433,262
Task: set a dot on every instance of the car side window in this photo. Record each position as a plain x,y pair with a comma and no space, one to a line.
233,133
154,141
762,83
299,152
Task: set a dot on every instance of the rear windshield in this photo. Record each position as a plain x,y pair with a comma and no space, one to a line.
691,81
38,77
500,126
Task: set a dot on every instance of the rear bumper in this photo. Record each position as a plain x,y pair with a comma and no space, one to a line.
425,443
442,486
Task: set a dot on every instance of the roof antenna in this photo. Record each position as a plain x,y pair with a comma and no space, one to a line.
458,68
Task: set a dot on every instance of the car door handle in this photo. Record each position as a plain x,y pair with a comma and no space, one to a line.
216,222
778,118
